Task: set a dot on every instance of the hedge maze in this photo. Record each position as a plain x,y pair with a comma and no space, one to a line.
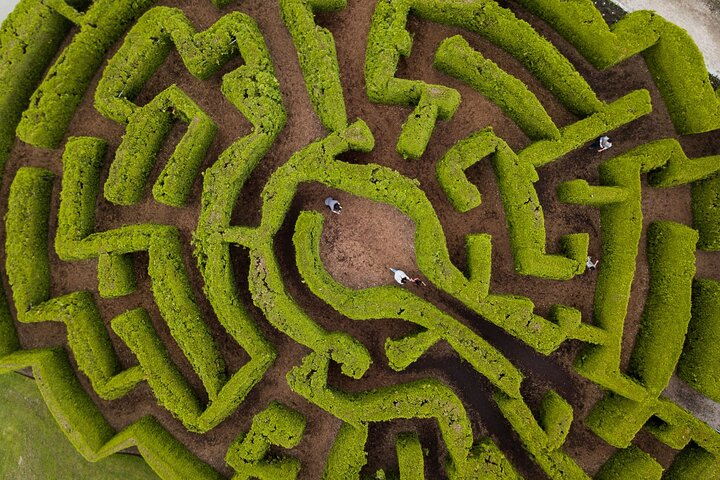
678,329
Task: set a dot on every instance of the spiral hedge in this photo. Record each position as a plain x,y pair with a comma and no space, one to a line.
68,42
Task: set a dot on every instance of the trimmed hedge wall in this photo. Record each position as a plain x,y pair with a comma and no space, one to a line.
706,212
29,38
171,288
318,59
672,57
630,464
394,302
699,365
388,40
147,130
276,425
419,399
54,103
611,116
89,432
543,445
666,315
456,57
27,262
411,460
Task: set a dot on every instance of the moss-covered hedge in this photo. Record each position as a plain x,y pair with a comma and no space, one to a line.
698,364
54,103
318,59
673,58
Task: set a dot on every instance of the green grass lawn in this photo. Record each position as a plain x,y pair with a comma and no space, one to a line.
33,447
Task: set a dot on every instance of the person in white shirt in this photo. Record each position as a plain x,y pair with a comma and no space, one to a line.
333,205
590,264
400,276
604,143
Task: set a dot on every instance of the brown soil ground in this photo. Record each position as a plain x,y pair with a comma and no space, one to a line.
359,245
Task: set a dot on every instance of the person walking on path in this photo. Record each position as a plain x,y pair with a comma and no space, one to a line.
333,205
590,264
400,276
603,143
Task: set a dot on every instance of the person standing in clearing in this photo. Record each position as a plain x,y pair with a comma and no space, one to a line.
333,205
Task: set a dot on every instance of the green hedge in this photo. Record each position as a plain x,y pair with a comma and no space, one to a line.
672,57
26,243
698,366
146,132
450,170
173,295
427,398
525,220
630,464
54,103
411,460
706,212
318,59
347,455
387,42
556,415
171,389
394,302
276,425
90,343
29,38
666,315
456,57
576,135
543,445
90,434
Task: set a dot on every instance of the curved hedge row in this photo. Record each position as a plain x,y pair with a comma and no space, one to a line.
318,59
316,163
673,58
394,302
389,40
54,103
698,366
455,57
